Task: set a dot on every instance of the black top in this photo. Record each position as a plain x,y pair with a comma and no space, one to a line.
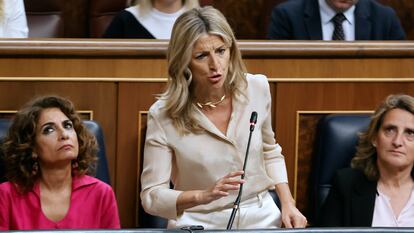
350,202
125,25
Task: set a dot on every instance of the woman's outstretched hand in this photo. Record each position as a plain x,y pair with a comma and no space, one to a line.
221,188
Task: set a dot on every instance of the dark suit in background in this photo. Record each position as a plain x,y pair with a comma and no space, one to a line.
300,20
350,202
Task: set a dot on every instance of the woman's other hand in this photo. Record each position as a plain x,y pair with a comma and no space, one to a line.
292,217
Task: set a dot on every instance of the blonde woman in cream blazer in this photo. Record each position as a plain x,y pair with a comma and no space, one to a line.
198,131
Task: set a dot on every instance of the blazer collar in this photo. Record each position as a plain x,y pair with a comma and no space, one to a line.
206,124
362,20
312,20
363,202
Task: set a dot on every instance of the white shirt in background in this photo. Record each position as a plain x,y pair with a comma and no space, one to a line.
327,13
158,23
13,24
384,215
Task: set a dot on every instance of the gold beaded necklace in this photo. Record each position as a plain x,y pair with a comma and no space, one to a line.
211,104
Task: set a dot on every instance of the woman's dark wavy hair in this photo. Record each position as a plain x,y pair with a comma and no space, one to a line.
19,143
366,156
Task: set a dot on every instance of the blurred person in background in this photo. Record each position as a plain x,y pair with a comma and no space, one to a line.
149,19
334,20
13,23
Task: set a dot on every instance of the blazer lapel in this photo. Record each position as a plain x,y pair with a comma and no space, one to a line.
362,20
363,202
206,124
312,20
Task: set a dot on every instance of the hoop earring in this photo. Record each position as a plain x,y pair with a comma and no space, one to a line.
35,166
75,164
188,76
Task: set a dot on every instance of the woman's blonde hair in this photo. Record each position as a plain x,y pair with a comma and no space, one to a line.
187,30
366,155
145,6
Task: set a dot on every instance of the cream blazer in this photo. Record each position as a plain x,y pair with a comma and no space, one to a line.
197,161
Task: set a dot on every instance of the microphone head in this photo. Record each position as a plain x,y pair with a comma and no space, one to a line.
253,118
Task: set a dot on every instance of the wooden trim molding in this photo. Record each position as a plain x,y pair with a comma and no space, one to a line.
141,136
84,114
157,48
164,80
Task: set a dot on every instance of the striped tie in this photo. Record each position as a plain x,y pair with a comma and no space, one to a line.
338,33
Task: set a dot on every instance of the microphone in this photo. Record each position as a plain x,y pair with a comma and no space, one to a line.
253,121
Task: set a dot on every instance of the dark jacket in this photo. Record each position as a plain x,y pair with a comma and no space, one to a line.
351,201
300,20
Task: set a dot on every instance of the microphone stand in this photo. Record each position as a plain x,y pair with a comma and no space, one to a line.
253,120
